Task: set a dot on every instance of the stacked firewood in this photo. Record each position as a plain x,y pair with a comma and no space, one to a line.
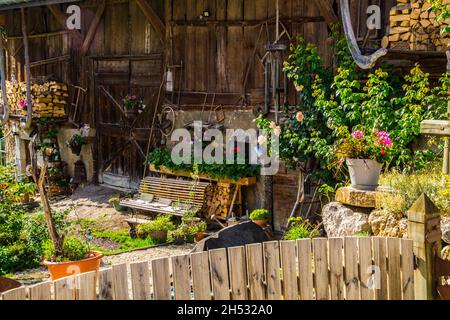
413,26
219,200
48,99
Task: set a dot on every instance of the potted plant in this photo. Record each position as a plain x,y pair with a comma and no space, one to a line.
76,257
260,217
114,202
179,235
156,229
22,190
200,229
76,143
132,106
365,155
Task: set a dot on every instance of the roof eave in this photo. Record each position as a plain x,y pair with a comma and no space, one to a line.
34,4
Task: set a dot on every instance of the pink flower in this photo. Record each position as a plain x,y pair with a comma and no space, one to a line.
358,134
133,98
384,139
23,104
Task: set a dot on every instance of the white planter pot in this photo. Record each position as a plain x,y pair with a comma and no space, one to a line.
364,173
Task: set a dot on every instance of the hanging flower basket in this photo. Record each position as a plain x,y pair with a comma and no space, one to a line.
132,106
76,143
131,113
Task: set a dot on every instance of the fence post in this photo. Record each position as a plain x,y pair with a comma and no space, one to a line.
425,231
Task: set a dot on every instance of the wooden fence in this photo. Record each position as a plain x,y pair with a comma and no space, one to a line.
336,268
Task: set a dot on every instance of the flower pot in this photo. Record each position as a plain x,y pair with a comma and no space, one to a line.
48,151
178,240
159,235
63,269
118,207
261,223
364,173
76,149
199,236
131,113
24,198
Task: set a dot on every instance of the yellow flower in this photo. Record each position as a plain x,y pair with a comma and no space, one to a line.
299,88
300,117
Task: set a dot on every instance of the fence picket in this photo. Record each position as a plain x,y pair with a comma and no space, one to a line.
336,269
105,284
41,291
321,268
219,274
379,258
394,279
140,280
120,282
64,288
161,279
238,273
305,269
407,269
351,268
288,265
15,294
200,276
86,285
365,268
181,279
272,269
255,271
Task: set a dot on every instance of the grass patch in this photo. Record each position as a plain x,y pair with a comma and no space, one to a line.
123,239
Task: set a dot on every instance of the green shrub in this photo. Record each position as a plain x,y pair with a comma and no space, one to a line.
260,214
73,249
160,223
301,229
17,257
409,187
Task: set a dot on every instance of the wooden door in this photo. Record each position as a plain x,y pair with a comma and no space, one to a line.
121,142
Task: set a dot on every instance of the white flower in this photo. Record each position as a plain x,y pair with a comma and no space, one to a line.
277,131
262,139
272,125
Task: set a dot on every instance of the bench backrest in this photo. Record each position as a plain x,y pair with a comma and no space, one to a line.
185,191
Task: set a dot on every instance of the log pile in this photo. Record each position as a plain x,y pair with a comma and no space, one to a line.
48,99
413,26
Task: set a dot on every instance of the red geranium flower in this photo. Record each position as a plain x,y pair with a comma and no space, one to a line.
383,152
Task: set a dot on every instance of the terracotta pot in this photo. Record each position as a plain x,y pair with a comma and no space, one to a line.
160,235
48,151
24,198
364,173
261,223
63,269
199,236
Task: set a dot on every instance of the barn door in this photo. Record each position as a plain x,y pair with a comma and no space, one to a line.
122,142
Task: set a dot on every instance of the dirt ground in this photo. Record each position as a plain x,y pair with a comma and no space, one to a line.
92,202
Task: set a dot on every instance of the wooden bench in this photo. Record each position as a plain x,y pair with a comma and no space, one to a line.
168,196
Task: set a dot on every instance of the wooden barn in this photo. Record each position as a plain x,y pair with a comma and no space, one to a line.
188,60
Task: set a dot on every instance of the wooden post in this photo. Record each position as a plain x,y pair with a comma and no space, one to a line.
424,230
27,68
5,116
446,165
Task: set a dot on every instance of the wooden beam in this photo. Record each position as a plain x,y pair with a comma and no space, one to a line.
153,18
50,61
326,10
62,19
27,68
93,28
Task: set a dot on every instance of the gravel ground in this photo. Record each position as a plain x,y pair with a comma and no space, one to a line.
92,202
